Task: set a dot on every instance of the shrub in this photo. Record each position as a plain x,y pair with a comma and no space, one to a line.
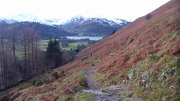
148,16
55,75
83,82
61,74
176,64
154,57
37,83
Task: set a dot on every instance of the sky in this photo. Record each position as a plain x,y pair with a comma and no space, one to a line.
65,9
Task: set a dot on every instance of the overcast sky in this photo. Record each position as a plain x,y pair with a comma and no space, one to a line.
64,9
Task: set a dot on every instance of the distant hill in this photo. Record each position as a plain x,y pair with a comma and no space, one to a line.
45,31
93,26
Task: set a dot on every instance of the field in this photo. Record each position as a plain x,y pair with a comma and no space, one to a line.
44,44
75,45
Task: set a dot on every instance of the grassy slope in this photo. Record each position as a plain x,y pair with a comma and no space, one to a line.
64,88
146,45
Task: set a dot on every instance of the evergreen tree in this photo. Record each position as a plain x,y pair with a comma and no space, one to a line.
53,53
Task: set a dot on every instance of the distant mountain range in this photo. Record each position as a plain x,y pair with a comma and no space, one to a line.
93,26
73,27
45,31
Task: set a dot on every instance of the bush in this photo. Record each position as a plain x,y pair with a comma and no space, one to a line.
176,64
55,75
37,83
154,57
61,74
148,16
83,82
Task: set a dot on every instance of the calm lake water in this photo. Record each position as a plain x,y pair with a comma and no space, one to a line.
84,37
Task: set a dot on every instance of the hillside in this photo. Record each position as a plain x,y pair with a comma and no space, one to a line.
138,62
93,26
45,31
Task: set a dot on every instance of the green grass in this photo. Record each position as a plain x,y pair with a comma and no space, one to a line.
44,44
83,97
74,45
79,74
158,85
99,76
158,92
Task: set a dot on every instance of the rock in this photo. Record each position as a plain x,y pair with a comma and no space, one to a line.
131,94
131,73
145,80
124,82
168,73
173,71
172,87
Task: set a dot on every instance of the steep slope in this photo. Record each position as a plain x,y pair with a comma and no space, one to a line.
144,57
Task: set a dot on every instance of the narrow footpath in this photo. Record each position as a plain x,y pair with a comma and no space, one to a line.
116,92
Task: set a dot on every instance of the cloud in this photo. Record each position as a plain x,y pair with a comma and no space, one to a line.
64,9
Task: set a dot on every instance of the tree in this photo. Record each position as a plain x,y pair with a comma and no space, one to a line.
57,53
53,53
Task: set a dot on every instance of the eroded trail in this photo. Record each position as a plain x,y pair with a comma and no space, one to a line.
95,89
113,92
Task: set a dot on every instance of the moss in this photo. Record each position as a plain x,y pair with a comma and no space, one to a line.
177,96
83,97
83,83
98,77
157,93
64,98
154,57
175,33
176,64
138,90
113,80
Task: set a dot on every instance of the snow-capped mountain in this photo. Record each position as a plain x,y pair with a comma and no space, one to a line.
79,19
112,22
31,18
93,26
80,25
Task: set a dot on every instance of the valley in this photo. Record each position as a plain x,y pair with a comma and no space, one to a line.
104,61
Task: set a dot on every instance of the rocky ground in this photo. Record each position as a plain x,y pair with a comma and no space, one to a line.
109,93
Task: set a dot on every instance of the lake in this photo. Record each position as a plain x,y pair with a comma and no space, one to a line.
84,37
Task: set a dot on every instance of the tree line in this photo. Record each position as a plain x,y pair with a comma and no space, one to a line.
21,56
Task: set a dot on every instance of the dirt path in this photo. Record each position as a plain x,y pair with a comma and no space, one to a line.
113,93
95,89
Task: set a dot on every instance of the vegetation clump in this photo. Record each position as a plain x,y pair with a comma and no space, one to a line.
53,53
148,16
154,57
37,83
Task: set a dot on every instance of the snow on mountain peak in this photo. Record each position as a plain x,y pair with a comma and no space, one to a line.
78,19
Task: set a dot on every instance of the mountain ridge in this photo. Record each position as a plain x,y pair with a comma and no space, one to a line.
93,26
52,22
81,26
